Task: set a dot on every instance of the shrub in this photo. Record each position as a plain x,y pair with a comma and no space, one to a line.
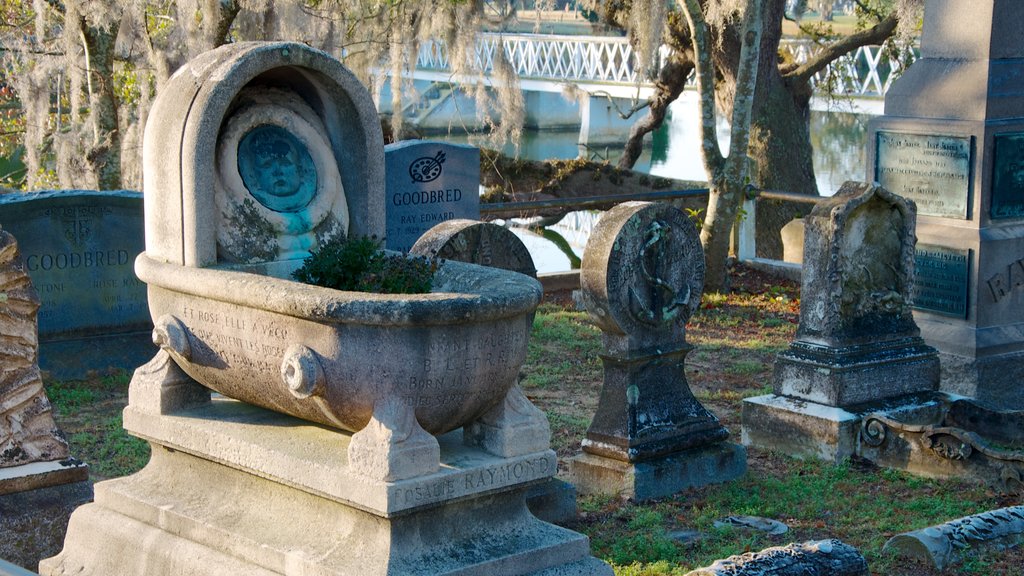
358,264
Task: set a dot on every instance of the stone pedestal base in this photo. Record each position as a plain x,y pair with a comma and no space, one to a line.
994,381
36,501
856,374
799,428
234,489
660,477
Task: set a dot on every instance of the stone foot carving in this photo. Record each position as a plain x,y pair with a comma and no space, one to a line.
393,446
512,428
161,387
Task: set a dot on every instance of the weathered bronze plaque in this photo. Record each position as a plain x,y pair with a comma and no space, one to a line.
941,280
933,171
1008,177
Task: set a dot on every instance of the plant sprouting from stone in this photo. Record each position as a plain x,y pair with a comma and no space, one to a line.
359,265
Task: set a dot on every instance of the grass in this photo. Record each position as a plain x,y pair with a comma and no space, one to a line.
735,338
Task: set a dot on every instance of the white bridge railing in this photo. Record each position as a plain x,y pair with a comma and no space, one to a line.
610,60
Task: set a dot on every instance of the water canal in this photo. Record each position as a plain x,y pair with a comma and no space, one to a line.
674,152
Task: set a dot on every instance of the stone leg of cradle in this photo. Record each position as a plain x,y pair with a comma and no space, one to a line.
161,387
512,428
393,446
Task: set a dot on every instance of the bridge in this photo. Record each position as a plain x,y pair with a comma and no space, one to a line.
604,71
608,63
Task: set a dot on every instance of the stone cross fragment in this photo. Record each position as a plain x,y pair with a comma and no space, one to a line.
830,557
641,280
944,545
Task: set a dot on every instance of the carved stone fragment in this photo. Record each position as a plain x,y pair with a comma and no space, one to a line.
944,544
830,557
27,430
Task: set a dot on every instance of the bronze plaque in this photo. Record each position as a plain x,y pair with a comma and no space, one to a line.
933,171
940,285
1008,177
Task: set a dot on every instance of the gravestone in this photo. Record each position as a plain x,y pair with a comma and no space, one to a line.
428,183
857,343
480,243
40,484
641,280
951,140
79,248
353,433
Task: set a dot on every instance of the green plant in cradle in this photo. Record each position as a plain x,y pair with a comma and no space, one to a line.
358,264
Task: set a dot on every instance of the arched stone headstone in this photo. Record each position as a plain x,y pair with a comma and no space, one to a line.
475,242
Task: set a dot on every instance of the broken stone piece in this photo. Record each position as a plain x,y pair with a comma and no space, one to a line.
831,557
944,544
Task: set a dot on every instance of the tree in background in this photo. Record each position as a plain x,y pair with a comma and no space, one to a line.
778,138
83,73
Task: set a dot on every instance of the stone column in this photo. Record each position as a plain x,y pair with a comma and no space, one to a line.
642,277
952,140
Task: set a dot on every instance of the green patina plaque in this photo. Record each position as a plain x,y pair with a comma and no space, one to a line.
932,170
1008,177
941,280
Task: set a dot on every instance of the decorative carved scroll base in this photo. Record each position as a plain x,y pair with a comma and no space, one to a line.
512,428
945,544
393,446
830,557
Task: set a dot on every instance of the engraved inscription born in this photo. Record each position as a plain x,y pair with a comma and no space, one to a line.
941,280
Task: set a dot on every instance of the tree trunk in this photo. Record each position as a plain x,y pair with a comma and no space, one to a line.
104,153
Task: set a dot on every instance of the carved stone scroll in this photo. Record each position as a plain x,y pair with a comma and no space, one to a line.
830,557
944,544
27,430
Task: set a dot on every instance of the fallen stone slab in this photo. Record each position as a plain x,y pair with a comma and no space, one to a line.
773,527
945,544
831,557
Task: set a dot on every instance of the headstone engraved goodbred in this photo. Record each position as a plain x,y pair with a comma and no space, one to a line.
388,424
642,278
933,171
79,248
428,183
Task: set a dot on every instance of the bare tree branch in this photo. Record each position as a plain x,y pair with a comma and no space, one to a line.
832,52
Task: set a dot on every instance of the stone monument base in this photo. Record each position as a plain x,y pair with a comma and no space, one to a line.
799,428
994,381
843,376
36,501
712,464
235,489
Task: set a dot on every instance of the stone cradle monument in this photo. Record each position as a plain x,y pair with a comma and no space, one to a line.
40,484
642,278
952,140
354,434
857,344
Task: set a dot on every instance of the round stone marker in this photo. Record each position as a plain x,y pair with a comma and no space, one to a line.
475,242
